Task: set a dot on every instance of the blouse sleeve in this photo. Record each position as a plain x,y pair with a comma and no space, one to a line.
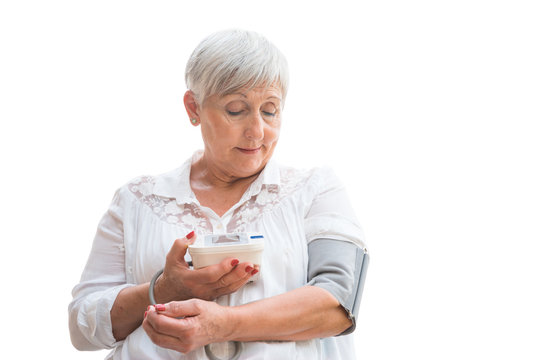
337,261
331,215
102,279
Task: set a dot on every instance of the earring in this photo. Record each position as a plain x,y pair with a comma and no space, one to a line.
193,121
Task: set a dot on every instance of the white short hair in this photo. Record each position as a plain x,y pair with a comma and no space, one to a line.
229,60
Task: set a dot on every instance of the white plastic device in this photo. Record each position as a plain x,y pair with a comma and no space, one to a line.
217,247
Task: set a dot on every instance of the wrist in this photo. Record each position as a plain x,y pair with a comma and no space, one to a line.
161,291
235,326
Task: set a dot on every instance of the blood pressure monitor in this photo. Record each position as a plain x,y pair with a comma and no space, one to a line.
216,247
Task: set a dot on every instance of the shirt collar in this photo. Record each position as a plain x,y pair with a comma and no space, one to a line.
176,185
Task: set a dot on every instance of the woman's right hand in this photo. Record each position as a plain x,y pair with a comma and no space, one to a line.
179,282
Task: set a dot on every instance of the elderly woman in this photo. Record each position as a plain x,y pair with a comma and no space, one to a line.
309,279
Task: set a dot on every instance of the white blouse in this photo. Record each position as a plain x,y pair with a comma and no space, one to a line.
289,207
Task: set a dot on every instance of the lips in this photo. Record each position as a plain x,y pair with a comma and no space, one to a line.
250,151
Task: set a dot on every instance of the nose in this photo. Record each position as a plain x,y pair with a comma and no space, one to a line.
255,127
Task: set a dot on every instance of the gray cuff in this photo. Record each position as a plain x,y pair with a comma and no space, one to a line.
339,267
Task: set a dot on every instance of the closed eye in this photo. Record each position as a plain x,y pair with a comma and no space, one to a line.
234,113
268,113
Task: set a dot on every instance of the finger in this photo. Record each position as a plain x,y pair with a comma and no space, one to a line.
233,287
180,328
234,280
242,273
179,248
211,274
176,309
160,338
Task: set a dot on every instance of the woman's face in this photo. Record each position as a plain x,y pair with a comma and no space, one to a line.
240,130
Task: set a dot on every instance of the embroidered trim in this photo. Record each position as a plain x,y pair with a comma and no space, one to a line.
187,215
191,216
267,200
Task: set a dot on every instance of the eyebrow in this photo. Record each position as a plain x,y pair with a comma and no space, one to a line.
245,96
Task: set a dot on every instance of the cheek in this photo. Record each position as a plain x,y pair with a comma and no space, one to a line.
272,133
207,133
216,133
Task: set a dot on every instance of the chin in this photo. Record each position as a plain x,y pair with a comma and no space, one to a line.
251,167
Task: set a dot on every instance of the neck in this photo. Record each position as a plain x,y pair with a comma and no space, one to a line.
208,174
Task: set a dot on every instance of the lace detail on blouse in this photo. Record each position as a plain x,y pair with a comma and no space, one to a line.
167,209
191,216
269,197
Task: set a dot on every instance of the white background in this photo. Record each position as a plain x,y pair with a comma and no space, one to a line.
427,110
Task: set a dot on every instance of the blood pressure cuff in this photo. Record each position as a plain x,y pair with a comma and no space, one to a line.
339,267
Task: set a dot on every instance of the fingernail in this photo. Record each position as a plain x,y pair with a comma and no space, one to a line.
234,262
145,313
190,235
249,269
254,271
160,307
148,308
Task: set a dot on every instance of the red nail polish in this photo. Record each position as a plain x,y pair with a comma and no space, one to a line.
235,262
190,235
248,269
160,307
145,313
254,271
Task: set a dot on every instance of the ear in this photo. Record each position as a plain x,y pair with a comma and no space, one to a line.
191,105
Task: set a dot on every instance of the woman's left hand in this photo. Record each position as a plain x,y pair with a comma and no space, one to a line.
187,325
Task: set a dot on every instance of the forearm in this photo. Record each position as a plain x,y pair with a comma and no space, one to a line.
128,309
226,277
305,313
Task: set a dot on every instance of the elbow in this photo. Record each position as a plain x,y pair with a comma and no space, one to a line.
348,324
78,340
77,332
343,321
83,345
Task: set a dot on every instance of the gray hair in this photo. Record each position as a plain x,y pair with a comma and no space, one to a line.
229,60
